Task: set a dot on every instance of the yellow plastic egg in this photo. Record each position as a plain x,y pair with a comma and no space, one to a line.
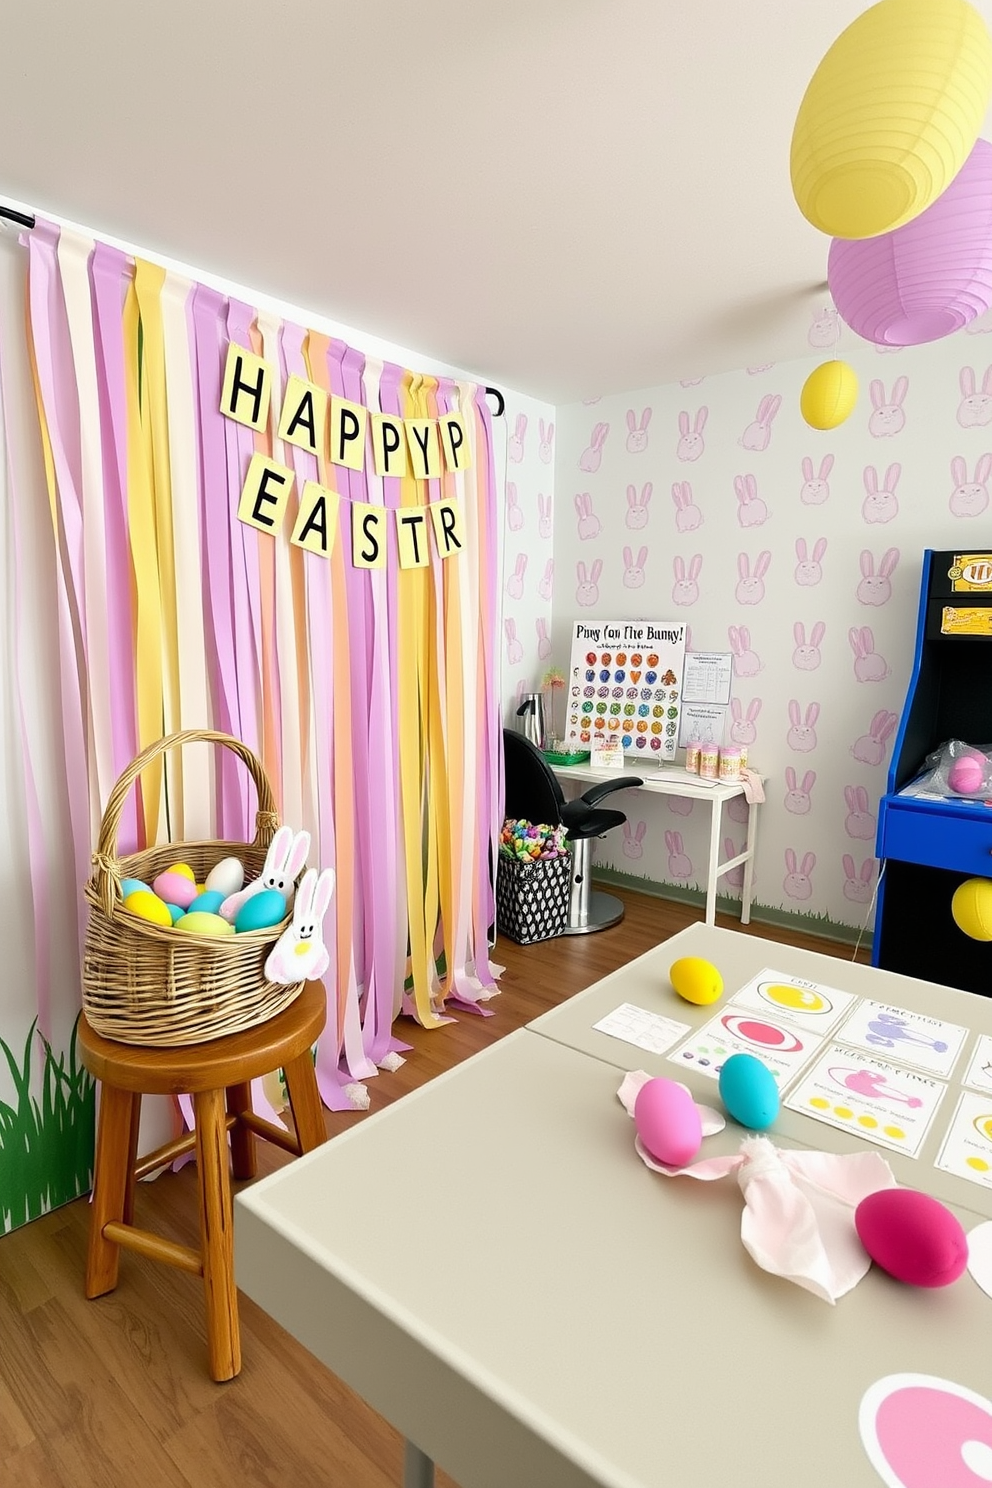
696,980
199,922
829,395
184,869
148,906
971,908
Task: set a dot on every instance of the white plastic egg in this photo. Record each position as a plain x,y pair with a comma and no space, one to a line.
226,877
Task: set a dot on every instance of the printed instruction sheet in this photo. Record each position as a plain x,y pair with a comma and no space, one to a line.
929,1044
807,1004
781,1046
967,1148
646,1030
860,1093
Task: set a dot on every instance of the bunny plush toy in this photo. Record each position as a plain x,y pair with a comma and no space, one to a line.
283,864
300,954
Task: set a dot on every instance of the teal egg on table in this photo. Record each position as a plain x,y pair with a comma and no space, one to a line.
209,902
261,911
749,1092
175,912
133,885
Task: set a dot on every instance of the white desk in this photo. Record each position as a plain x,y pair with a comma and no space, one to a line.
489,1264
671,780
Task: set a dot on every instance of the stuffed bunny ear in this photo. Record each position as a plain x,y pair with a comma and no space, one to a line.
322,897
304,897
298,854
278,851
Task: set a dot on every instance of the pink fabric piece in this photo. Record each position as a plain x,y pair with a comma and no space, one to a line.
754,791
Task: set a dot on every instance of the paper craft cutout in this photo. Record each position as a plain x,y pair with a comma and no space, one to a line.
908,1038
644,1029
980,1256
880,1102
796,999
920,1431
967,1148
979,1075
785,1049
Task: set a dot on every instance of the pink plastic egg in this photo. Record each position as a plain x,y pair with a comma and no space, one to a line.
912,1236
175,888
966,774
668,1122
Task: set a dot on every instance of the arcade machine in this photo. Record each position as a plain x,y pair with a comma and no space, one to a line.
928,844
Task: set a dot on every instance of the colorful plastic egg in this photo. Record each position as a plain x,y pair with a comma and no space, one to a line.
696,980
148,906
749,1092
184,870
200,923
966,774
133,886
261,911
226,877
209,902
668,1122
912,1236
175,888
175,911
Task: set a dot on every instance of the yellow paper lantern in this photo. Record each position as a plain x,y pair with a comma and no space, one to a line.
829,395
971,908
891,115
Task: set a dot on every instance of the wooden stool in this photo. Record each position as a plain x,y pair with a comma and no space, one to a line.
207,1072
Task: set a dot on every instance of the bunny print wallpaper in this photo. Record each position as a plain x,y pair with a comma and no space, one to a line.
712,502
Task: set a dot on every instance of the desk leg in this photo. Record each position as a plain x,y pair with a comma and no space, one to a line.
752,832
418,1469
716,819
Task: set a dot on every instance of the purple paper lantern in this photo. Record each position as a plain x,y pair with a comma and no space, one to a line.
926,279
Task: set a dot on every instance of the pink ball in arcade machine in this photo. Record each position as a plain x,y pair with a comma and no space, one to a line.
967,774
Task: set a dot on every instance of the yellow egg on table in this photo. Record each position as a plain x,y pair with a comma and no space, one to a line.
696,980
184,869
148,906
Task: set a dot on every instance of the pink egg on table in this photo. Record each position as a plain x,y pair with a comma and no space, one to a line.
175,888
668,1122
966,774
912,1236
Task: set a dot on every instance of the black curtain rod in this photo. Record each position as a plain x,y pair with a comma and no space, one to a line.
23,219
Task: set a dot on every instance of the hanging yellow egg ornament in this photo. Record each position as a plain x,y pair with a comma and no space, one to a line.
829,395
891,115
971,908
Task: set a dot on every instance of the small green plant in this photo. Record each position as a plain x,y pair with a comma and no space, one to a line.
46,1141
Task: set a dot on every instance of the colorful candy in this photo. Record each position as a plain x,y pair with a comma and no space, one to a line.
529,843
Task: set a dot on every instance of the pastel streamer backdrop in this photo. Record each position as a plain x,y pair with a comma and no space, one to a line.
371,696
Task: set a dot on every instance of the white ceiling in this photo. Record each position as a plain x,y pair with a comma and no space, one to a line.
566,196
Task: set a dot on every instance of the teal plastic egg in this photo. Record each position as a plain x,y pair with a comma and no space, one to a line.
749,1092
261,911
133,886
175,912
209,902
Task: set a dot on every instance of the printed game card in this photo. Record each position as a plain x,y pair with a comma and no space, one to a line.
801,1002
908,1038
967,1148
779,1045
647,1030
878,1101
979,1075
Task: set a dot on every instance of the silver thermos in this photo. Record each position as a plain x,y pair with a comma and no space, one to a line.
531,715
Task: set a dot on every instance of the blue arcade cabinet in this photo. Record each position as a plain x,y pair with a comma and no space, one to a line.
928,846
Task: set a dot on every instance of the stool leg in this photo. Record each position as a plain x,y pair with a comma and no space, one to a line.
132,1158
217,1232
243,1154
112,1182
304,1102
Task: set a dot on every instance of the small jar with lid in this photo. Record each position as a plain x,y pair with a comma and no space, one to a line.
692,758
709,762
730,764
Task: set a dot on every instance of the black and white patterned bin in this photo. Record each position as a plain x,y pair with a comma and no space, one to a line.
532,898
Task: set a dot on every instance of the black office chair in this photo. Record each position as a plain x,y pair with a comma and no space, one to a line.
533,792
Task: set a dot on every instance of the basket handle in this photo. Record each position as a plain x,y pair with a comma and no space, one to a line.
107,872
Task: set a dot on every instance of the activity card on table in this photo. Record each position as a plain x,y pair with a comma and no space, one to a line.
881,1102
800,1001
929,1044
781,1046
967,1147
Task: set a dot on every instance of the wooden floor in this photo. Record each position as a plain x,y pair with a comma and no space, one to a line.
115,1392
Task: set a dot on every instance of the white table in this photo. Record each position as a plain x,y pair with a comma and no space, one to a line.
489,1264
672,780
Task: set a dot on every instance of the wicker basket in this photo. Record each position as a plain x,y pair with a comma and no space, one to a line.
145,984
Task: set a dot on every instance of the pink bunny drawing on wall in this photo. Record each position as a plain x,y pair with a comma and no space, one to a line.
869,748
859,822
797,879
876,588
591,457
887,417
543,639
797,797
751,586
515,583
857,886
636,516
970,498
743,729
545,449
881,505
691,445
687,516
633,838
747,663
735,877
758,433
514,648
515,444
802,735
751,510
680,805
633,573
815,489
679,866
546,583
637,433
685,590
589,525
809,571
868,665
975,409
544,520
760,367
690,381
587,593
825,327
806,657
738,810
514,511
